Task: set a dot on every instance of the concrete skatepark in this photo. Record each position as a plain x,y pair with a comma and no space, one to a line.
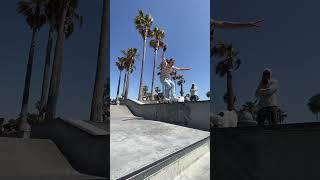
60,149
147,147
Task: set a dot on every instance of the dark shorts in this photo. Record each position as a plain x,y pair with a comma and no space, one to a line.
268,115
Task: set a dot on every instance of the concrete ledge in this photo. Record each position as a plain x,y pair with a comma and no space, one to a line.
190,114
89,128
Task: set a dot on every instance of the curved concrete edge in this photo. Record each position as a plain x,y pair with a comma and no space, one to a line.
173,164
86,151
89,128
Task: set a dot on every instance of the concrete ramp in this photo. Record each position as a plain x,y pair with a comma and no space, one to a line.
147,149
34,159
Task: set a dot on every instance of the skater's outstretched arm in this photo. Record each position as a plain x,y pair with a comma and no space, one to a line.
164,62
181,69
234,25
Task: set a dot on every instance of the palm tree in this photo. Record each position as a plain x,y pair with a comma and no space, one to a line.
120,66
314,105
143,23
129,62
156,43
52,20
66,7
106,92
124,83
97,103
33,11
180,83
145,90
229,63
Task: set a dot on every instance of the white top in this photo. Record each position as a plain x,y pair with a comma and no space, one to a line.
267,96
193,91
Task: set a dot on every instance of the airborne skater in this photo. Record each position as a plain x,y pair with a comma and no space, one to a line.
167,67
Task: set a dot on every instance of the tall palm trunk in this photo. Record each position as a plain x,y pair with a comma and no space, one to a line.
119,85
97,100
181,90
124,83
24,126
153,72
46,73
230,100
56,69
127,84
142,65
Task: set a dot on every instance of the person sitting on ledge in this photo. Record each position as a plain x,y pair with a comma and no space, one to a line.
167,67
267,99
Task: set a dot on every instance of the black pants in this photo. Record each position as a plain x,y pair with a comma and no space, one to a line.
193,98
268,115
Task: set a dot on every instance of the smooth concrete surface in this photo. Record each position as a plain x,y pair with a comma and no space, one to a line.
272,152
199,170
84,146
192,161
190,114
34,159
136,143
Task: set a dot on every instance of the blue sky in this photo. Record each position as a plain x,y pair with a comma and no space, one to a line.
186,24
287,42
80,59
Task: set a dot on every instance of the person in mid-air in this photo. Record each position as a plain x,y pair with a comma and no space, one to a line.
167,67
267,96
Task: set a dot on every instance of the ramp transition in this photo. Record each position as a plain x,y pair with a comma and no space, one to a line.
34,159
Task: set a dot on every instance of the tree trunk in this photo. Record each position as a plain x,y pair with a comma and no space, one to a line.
56,69
124,83
181,90
230,101
142,65
24,126
127,83
46,74
118,85
153,72
97,100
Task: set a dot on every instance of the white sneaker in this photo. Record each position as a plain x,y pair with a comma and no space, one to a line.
174,99
166,100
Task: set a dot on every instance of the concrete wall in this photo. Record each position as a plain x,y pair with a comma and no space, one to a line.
280,152
190,114
87,152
